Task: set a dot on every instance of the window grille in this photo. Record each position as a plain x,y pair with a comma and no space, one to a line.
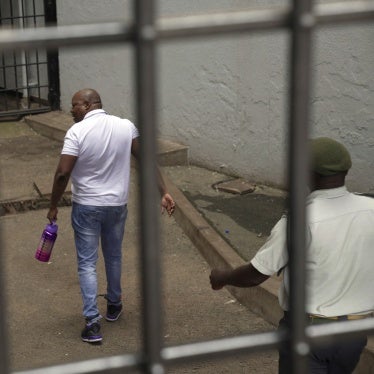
28,78
301,18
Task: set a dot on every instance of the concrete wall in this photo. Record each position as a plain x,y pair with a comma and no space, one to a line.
226,97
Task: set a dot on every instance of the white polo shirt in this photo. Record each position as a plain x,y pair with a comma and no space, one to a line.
340,254
102,143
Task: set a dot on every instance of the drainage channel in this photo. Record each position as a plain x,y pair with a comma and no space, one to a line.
20,206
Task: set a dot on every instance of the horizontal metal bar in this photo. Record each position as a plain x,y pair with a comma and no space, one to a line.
177,27
2,19
220,347
260,19
327,332
114,364
63,36
223,23
333,13
11,90
318,334
22,112
23,65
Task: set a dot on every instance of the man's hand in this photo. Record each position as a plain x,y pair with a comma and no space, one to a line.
52,214
218,279
168,204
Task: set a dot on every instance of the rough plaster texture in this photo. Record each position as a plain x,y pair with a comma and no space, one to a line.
226,97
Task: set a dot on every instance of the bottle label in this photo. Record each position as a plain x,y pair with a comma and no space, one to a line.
43,252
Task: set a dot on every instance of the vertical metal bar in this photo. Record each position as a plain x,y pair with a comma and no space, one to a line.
22,13
4,360
14,57
37,63
3,68
302,23
4,346
150,238
50,16
5,82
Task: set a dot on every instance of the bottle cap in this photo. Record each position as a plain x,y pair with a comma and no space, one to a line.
52,227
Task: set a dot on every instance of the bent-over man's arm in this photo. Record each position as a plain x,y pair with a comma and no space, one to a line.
242,276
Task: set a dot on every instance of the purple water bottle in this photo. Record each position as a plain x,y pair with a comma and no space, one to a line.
49,235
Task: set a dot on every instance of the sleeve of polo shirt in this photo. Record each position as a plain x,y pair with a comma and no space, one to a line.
273,256
135,131
71,144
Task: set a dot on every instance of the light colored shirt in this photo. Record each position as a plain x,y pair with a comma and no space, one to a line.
102,143
340,254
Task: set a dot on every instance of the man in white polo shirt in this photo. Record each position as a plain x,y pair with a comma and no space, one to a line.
96,154
340,258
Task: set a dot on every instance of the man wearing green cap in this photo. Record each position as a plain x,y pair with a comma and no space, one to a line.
340,259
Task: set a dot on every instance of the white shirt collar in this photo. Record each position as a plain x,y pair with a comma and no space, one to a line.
329,193
93,112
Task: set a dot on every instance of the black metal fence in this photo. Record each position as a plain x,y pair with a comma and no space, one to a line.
301,18
27,77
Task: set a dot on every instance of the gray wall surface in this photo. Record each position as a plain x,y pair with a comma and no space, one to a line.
226,97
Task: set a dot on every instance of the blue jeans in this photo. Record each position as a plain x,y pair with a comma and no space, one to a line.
90,223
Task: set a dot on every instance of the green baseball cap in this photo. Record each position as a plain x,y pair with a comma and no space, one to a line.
329,157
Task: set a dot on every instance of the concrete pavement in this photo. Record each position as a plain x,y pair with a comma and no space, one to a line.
43,299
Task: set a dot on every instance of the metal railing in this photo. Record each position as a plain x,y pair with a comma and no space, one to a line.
300,18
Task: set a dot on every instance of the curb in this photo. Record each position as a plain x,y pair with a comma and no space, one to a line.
217,252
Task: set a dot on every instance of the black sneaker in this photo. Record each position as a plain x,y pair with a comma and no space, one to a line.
113,312
91,333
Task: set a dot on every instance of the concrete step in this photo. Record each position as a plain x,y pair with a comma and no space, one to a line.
55,124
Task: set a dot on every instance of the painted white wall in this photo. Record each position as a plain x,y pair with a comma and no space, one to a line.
226,97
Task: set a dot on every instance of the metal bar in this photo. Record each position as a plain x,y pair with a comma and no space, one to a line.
223,23
226,346
15,88
318,334
68,36
4,356
21,112
4,348
114,364
53,66
175,27
145,65
333,331
198,351
298,161
339,12
25,17
259,19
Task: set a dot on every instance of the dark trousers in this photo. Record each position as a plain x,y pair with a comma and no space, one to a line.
340,358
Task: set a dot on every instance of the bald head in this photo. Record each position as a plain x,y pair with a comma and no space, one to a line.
83,102
90,96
